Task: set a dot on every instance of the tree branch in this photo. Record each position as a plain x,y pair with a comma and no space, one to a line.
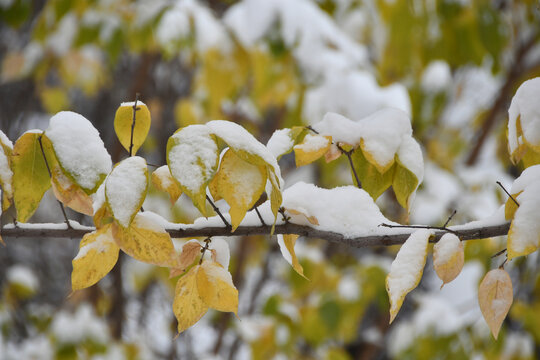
380,237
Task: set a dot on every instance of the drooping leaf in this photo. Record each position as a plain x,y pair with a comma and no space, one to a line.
407,268
510,207
311,148
188,306
192,156
282,141
30,176
125,189
240,183
190,251
404,184
286,245
276,198
147,241
495,296
372,180
163,180
310,218
79,150
69,193
97,255
6,174
448,257
216,288
123,121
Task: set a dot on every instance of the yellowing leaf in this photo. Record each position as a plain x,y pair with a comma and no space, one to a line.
241,184
510,207
448,257
312,219
216,288
372,180
30,176
332,154
188,306
495,296
192,156
123,123
6,174
382,168
97,255
163,180
190,251
147,241
276,198
69,193
286,245
404,184
311,148
407,268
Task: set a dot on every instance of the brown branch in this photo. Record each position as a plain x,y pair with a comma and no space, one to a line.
135,108
380,239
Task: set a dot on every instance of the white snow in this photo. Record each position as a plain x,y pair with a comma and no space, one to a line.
445,248
526,223
5,140
348,287
284,251
223,254
79,148
216,273
73,328
164,175
528,177
525,106
312,142
22,275
125,188
436,77
410,155
193,157
101,244
61,40
6,174
131,104
281,142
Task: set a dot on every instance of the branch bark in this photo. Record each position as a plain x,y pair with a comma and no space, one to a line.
380,237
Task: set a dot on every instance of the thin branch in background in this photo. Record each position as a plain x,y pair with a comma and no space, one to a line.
507,193
135,108
50,176
227,225
443,228
449,218
499,253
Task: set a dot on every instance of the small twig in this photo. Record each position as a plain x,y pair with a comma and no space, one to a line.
449,218
227,225
285,217
259,215
499,253
507,193
133,123
50,176
420,227
312,129
503,263
207,242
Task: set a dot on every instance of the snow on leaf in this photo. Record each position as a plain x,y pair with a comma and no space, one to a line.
6,174
125,189
311,148
97,256
123,121
240,183
69,193
406,269
220,251
192,156
448,257
147,241
372,180
163,181
286,245
188,306
495,296
282,140
30,176
79,149
215,287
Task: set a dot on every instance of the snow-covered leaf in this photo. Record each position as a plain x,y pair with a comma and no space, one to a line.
123,121
240,183
192,156
79,149
448,257
147,241
286,245
510,207
163,180
282,140
188,306
311,148
30,176
125,189
407,268
215,287
372,180
6,174
97,256
495,296
69,193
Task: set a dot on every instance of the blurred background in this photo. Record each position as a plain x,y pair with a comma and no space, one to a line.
454,65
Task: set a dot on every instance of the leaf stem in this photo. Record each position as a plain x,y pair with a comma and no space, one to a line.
207,242
227,225
50,176
135,108
507,193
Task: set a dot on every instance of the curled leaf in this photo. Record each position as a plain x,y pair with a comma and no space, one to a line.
123,121
190,251
70,194
163,180
286,245
448,257
495,296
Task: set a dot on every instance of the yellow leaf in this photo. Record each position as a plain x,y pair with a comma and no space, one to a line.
332,154
54,99
495,296
190,251
188,306
372,180
524,233
192,156
286,244
240,183
407,268
276,198
311,148
214,189
103,216
69,193
147,241
382,168
123,123
97,255
186,112
312,219
510,207
216,288
448,257
163,181
30,176
404,184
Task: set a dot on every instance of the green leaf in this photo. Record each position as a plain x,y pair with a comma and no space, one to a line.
372,180
404,184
